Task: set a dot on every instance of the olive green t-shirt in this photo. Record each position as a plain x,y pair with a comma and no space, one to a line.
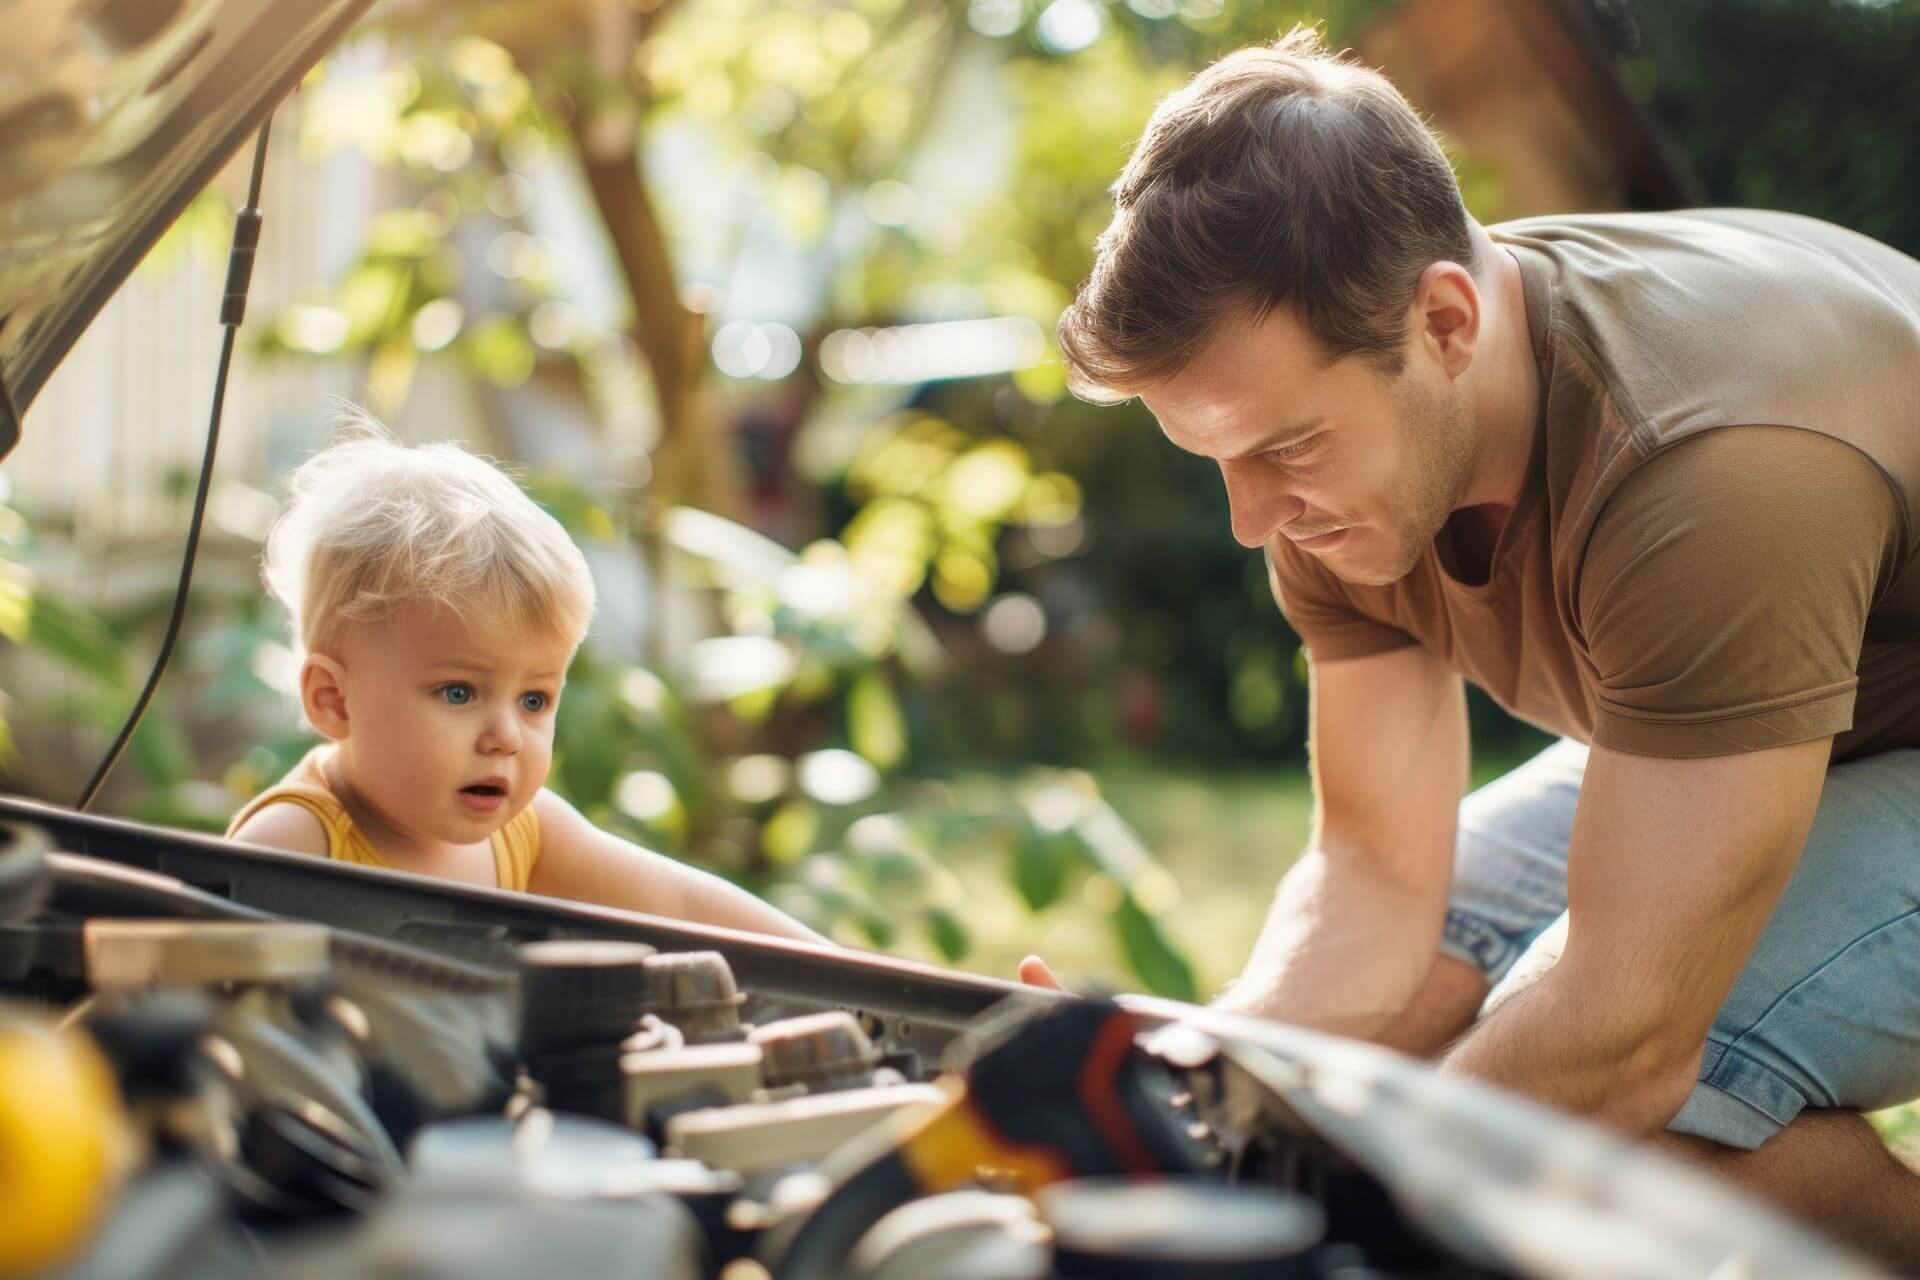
1714,549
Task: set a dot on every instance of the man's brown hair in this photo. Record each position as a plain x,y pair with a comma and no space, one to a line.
1281,175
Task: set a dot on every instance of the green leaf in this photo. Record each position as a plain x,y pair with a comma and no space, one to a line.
879,928
76,636
894,870
949,935
875,725
1150,954
160,749
591,733
790,832
1041,860
373,299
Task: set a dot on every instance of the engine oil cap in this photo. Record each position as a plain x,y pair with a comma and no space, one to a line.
817,1049
695,991
1179,1229
578,993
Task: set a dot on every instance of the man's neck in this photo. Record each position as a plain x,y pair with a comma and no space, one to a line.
1503,384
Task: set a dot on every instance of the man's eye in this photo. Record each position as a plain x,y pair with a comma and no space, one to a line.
535,703
1290,450
458,694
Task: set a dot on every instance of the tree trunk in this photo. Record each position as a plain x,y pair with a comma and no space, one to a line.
691,463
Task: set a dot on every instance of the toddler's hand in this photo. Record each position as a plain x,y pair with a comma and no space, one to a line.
1035,973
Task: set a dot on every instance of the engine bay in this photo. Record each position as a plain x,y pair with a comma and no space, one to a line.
190,1086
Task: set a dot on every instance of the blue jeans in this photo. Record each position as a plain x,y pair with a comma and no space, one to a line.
1826,1012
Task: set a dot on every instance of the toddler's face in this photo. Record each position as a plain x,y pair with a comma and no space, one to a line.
450,721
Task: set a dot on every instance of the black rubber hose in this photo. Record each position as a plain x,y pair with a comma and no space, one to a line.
246,238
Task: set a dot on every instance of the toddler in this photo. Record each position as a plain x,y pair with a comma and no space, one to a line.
435,610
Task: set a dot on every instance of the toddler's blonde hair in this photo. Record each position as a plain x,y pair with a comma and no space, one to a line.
374,525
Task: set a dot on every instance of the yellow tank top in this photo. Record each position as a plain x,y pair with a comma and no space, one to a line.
516,846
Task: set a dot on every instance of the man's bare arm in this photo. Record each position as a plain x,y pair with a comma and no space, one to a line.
1356,922
1674,869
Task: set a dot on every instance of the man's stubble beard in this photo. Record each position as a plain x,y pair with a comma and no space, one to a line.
1439,431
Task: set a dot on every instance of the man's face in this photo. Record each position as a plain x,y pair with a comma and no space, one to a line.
450,723
1353,466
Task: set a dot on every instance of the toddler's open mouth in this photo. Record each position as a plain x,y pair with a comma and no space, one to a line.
484,797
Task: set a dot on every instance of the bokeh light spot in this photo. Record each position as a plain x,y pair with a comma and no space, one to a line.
837,777
1015,623
1068,26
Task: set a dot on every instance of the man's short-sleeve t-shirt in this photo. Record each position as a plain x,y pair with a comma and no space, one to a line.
1714,548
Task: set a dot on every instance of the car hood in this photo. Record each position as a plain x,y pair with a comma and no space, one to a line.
113,115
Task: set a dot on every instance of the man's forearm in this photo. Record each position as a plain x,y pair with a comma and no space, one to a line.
1344,949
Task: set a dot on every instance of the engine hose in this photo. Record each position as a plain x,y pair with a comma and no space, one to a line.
279,1065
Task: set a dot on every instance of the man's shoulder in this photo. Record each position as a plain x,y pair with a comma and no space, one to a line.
1726,278
1693,321
1685,229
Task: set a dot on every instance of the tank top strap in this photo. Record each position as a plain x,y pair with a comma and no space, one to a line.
516,848
306,786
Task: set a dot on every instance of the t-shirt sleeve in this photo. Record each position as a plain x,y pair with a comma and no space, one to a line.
1321,612
1725,592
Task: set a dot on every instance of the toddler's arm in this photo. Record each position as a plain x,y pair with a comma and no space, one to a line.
580,861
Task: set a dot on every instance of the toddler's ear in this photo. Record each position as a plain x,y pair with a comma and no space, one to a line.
323,695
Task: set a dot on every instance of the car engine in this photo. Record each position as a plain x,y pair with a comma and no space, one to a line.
190,1087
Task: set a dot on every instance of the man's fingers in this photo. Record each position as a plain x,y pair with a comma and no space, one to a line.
1035,973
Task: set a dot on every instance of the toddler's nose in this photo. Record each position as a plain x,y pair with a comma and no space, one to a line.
501,736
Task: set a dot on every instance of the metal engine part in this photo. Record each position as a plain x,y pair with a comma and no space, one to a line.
762,1137
721,1074
172,953
819,1051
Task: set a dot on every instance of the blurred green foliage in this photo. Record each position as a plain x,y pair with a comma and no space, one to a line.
987,571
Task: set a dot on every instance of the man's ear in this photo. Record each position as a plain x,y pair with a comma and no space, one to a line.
323,695
1446,315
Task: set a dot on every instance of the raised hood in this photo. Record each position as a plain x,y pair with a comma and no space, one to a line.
113,114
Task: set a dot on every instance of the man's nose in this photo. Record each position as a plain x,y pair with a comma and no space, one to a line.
1258,503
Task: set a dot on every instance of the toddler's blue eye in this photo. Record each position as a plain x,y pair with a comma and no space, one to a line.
458,695
534,703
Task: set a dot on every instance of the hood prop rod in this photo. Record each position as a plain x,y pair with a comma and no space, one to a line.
233,309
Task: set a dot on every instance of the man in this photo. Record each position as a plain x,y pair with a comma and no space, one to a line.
1651,481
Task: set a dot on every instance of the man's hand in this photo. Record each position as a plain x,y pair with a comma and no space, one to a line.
1674,869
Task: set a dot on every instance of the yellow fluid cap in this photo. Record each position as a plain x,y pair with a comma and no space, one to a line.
64,1140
